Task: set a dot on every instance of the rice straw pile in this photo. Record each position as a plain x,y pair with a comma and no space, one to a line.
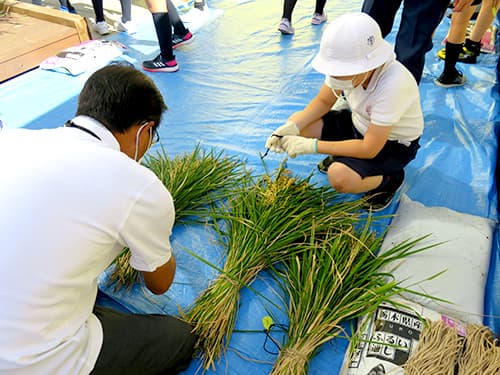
196,181
338,277
442,351
267,221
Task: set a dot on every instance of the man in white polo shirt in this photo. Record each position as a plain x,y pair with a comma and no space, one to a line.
71,199
370,143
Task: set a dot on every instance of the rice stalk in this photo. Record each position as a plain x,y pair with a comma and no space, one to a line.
336,278
196,181
267,221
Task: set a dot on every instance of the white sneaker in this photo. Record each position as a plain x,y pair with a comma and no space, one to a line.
318,19
129,27
285,27
101,27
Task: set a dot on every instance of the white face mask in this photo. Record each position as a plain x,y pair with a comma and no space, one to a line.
340,84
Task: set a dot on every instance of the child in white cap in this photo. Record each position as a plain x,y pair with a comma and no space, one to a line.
370,143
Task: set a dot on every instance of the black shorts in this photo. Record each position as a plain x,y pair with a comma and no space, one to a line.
142,343
394,156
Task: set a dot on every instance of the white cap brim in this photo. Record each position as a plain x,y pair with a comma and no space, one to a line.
337,67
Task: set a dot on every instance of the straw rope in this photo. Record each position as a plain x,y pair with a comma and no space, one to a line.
442,351
437,351
480,355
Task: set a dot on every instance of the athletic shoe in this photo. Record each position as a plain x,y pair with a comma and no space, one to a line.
180,40
160,65
285,27
324,164
466,56
380,198
71,10
129,27
101,27
200,5
453,79
318,19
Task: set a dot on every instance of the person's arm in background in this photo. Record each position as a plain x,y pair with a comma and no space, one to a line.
459,5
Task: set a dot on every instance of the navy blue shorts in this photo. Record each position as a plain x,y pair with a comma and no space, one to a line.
394,156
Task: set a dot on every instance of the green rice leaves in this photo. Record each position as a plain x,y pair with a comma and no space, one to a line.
196,181
338,276
266,222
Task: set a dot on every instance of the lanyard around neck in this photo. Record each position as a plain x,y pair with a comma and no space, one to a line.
71,124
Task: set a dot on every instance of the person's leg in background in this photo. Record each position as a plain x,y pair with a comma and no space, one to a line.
419,20
165,61
319,15
142,344
383,12
472,44
285,26
181,35
451,77
100,25
66,6
126,24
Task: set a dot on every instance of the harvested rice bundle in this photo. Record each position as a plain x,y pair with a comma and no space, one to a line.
196,181
267,221
338,277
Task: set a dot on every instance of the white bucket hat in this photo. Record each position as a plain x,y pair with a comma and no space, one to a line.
352,44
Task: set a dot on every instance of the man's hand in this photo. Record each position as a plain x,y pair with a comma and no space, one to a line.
295,145
274,141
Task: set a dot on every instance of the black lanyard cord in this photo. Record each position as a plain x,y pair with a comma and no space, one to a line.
71,124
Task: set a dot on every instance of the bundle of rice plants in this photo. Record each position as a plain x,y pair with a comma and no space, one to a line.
196,181
338,277
266,221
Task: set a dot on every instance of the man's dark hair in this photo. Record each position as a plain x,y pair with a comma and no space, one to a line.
119,96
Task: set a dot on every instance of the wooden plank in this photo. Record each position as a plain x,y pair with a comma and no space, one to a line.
54,16
22,34
22,63
30,34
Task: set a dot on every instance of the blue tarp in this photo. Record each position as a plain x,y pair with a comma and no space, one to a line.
238,81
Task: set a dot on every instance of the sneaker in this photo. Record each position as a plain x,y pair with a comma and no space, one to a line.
199,5
101,27
160,65
129,27
380,198
318,19
180,40
285,27
324,164
466,56
453,79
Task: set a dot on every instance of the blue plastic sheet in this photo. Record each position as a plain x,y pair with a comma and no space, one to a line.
238,81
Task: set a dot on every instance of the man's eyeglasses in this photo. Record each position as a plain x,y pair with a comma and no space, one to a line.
154,137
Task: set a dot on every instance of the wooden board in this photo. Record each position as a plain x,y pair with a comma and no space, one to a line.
30,34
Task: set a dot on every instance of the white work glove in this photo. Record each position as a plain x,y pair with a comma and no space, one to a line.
295,145
273,143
